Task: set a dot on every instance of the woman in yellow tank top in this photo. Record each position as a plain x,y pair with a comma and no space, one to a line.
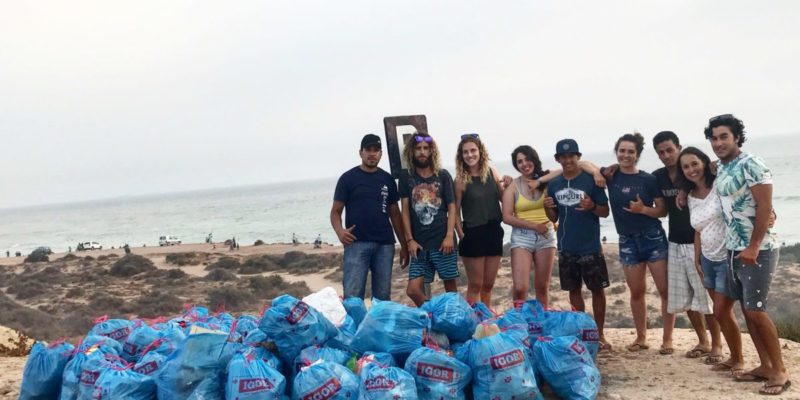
533,240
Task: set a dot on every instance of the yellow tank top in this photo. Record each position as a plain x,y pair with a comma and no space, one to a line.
531,210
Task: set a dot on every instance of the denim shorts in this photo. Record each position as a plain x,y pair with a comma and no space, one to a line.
715,274
530,240
647,246
361,258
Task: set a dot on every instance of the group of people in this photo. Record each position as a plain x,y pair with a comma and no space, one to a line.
720,248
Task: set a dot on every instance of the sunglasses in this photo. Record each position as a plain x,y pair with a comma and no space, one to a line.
470,136
719,117
420,138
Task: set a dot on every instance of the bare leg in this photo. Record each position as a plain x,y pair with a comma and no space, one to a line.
635,278
765,330
658,269
415,291
474,267
543,267
576,300
521,261
758,341
450,285
716,340
599,311
491,266
699,329
723,312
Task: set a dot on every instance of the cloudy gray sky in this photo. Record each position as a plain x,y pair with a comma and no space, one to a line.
105,99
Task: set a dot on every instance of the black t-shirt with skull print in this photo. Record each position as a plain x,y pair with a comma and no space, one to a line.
428,199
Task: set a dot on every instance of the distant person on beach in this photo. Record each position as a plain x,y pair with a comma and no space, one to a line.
127,248
576,202
685,290
8,254
429,214
478,192
369,195
637,204
318,241
744,186
295,242
711,257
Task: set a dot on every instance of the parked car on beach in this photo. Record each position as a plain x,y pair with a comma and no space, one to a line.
88,246
168,240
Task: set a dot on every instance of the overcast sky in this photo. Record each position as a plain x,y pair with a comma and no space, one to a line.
105,99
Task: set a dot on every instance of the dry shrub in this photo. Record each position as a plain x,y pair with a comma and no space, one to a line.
131,265
27,288
188,258
232,298
258,242
68,257
220,275
16,347
75,292
228,263
269,287
154,304
258,264
176,273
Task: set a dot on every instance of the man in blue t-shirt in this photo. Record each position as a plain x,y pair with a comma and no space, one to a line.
577,203
369,194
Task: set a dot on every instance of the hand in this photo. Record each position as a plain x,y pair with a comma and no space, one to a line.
636,206
610,171
748,256
403,257
549,202
599,180
346,236
447,245
713,167
505,181
680,199
413,248
541,229
533,184
586,204
699,269
772,218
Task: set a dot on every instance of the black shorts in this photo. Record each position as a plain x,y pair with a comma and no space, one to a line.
590,267
482,240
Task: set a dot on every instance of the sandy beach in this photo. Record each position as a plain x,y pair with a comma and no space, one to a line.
642,375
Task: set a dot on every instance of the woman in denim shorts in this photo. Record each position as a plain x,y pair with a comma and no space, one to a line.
637,204
705,211
533,240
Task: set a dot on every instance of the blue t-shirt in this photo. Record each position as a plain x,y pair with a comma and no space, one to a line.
367,197
578,231
622,189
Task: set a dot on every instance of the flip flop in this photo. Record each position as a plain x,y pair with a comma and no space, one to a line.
665,351
749,377
713,360
722,366
605,346
783,388
637,347
697,352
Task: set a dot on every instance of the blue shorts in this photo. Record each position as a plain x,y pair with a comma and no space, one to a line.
715,274
429,262
646,246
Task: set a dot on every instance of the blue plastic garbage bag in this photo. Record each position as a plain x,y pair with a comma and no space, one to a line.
122,383
294,325
105,344
452,315
70,381
567,366
391,328
195,313
268,357
245,324
344,338
117,329
41,378
355,308
437,374
172,334
194,370
514,323
482,311
369,358
91,369
501,368
150,363
255,336
311,354
387,383
576,324
249,377
139,338
325,380
535,316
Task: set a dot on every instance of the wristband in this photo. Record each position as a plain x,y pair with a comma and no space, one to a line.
409,241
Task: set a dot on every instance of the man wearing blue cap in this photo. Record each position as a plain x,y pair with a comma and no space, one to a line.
577,203
369,196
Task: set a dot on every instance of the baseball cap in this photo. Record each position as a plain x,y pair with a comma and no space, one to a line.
370,140
566,146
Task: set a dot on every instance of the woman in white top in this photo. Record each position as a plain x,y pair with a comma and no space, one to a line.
711,259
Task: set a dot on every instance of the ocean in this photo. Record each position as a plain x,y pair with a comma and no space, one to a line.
271,213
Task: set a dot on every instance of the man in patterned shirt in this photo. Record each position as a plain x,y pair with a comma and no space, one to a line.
744,185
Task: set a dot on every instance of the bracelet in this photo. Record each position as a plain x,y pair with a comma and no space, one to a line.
409,241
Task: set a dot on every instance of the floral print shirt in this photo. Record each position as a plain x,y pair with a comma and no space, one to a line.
733,184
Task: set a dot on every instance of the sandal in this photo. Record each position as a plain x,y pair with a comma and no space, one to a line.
765,390
749,377
605,346
665,351
637,347
696,352
713,360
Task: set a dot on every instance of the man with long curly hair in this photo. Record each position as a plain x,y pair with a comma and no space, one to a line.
429,210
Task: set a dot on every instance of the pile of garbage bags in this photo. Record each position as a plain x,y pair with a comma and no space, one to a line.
322,347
